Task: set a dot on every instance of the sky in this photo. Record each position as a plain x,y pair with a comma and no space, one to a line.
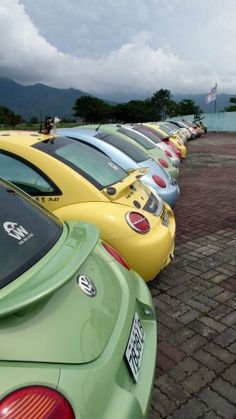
111,47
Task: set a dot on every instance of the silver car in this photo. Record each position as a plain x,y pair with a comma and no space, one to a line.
128,156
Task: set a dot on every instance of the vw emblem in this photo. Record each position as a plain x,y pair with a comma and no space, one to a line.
87,286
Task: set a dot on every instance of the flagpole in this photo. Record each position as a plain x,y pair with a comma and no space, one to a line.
215,99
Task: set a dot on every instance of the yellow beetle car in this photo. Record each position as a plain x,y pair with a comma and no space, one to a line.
178,143
77,182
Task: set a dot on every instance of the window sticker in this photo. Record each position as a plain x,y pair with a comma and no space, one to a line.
17,231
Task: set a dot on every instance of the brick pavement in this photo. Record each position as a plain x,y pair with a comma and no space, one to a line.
195,297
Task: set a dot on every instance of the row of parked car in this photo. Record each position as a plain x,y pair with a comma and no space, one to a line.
78,328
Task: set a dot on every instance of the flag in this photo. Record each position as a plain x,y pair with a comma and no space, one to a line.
211,95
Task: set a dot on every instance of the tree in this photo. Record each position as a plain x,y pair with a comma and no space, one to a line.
134,111
162,104
8,117
92,109
231,108
188,107
33,120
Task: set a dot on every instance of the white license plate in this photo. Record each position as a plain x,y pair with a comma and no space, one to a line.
135,347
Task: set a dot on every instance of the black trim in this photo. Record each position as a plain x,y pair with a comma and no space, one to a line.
56,191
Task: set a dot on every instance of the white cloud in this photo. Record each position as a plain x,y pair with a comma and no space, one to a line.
138,64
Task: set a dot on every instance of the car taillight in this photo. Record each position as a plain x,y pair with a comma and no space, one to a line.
115,254
138,222
35,402
168,154
159,181
163,163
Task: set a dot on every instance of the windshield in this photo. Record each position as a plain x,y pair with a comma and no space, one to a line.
137,137
84,159
123,145
27,233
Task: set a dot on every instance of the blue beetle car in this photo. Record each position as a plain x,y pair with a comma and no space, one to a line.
128,156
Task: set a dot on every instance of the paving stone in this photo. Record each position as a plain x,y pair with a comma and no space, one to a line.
172,324
164,363
168,300
224,296
170,351
225,389
153,414
201,329
189,316
163,405
187,295
172,390
183,369
213,291
181,336
208,321
229,284
163,331
197,380
222,354
195,296
193,409
216,402
208,415
178,310
177,290
230,375
226,337
229,319
209,274
198,306
192,344
211,362
208,301
232,347
220,311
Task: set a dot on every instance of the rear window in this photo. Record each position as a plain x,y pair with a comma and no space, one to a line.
137,137
27,233
90,163
155,137
166,129
123,145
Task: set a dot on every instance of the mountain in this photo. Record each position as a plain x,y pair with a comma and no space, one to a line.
36,100
40,100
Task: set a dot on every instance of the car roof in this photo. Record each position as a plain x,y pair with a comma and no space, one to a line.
23,137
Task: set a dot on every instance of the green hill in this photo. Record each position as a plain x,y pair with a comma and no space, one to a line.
29,101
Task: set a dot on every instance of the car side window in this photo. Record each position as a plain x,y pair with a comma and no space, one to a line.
24,176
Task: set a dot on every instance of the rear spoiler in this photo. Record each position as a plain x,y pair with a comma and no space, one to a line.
113,192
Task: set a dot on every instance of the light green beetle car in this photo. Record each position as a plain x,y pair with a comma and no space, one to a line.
77,327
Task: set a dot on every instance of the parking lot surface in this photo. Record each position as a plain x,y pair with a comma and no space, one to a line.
195,297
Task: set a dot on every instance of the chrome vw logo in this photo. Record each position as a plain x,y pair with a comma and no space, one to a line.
87,286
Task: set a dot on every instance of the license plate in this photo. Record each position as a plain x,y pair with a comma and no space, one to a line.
135,347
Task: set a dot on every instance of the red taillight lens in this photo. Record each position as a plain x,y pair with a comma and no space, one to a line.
35,402
163,163
159,181
168,154
138,222
115,254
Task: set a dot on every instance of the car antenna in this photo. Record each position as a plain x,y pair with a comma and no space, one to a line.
96,129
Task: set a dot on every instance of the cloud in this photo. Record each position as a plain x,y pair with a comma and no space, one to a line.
135,66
